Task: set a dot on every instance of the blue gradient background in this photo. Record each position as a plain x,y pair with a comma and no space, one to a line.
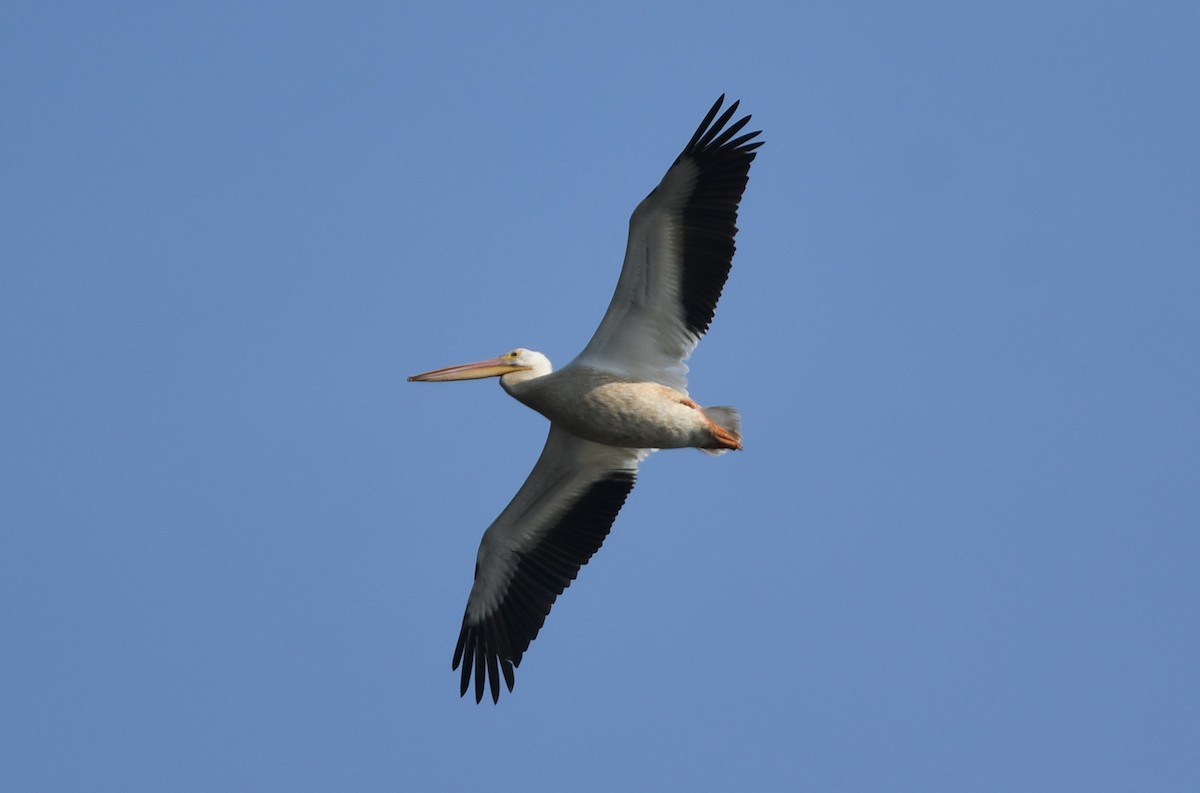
959,552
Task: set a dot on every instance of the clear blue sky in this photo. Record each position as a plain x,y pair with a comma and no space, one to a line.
960,552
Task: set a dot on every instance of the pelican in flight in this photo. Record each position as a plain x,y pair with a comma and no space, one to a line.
621,398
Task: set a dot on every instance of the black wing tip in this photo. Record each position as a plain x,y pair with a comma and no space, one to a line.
714,136
722,153
483,664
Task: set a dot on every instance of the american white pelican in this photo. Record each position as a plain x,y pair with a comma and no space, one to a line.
623,397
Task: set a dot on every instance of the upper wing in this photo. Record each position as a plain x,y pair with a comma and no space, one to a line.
678,257
533,551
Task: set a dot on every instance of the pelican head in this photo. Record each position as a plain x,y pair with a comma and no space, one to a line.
511,367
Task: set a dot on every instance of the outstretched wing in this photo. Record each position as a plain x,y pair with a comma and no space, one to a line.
534,550
678,256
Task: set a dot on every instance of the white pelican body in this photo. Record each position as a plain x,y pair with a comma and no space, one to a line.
606,408
623,397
